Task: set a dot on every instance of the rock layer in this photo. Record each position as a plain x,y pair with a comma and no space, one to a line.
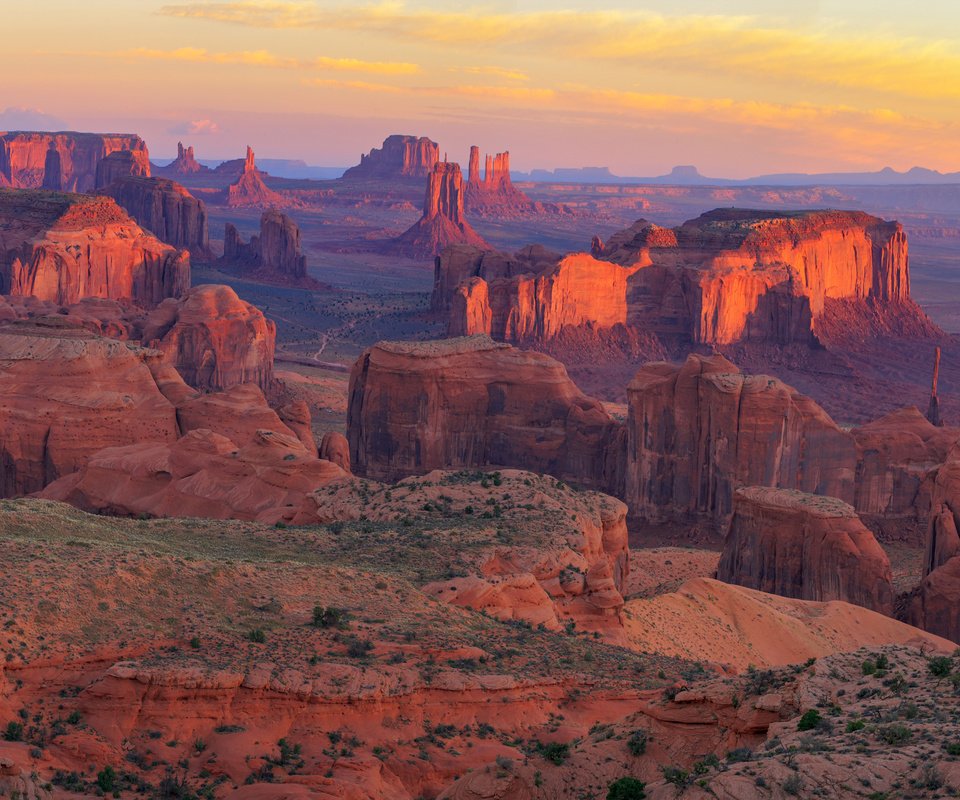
806,546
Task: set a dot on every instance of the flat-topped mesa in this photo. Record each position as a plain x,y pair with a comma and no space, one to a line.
166,209
64,247
400,157
698,431
118,165
275,256
734,276
443,222
249,190
183,164
27,159
471,402
495,190
805,546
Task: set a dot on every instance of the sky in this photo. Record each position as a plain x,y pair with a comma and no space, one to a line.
737,88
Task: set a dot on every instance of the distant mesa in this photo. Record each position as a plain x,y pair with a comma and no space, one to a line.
443,222
399,157
494,191
275,256
249,190
183,164
66,161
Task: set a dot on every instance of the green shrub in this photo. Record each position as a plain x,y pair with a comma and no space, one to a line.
940,666
626,789
14,732
257,635
809,720
330,617
637,743
555,752
855,725
107,779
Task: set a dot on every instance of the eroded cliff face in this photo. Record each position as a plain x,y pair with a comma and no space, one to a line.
399,157
806,546
493,192
468,403
26,161
184,164
249,190
727,277
275,256
63,248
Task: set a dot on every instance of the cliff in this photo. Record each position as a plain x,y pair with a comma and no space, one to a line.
399,157
442,222
275,256
118,165
805,546
25,158
62,247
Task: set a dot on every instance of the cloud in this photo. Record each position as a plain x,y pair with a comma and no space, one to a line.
29,119
494,72
696,44
196,127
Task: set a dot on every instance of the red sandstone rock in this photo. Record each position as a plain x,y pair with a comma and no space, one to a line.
296,416
335,447
166,209
249,190
183,164
238,413
64,395
62,248
24,158
213,338
53,169
805,546
275,256
399,157
494,192
118,165
469,403
443,221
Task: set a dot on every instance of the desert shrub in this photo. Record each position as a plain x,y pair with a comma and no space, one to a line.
626,789
330,617
637,743
894,734
940,666
792,785
107,779
257,635
555,752
809,720
678,777
14,732
359,648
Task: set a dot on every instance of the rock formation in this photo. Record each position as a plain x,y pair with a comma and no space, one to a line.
249,190
698,431
62,248
805,546
728,276
399,157
183,164
25,156
335,447
469,403
65,394
275,256
166,209
53,169
933,409
118,165
213,338
493,192
443,222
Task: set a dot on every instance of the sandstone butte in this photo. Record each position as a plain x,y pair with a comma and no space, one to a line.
807,546
65,161
166,209
249,190
275,256
64,247
698,283
399,157
443,222
212,337
493,192
183,164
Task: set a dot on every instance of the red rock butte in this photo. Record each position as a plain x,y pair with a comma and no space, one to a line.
399,157
249,190
494,191
183,164
275,256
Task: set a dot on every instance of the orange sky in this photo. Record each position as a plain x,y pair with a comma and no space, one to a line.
639,87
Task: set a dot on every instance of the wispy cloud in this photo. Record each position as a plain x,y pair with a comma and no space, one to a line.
494,72
196,127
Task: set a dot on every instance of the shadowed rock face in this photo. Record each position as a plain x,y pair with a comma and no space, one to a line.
728,276
166,209
443,222
468,403
26,159
805,546
399,157
62,248
118,165
275,256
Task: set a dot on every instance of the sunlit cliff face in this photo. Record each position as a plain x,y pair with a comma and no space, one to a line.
748,89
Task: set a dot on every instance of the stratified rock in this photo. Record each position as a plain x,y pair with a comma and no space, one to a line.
166,209
399,157
118,165
213,338
53,170
805,546
335,447
494,192
443,222
24,156
239,413
62,247
65,394
469,403
296,416
698,431
183,164
275,256
249,190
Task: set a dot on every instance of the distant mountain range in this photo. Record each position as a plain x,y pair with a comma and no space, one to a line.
690,176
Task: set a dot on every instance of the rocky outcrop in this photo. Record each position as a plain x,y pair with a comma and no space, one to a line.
275,256
335,447
62,248
25,157
698,431
730,276
399,157
118,165
66,394
249,190
494,191
166,209
805,546
463,403
442,223
213,338
183,164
